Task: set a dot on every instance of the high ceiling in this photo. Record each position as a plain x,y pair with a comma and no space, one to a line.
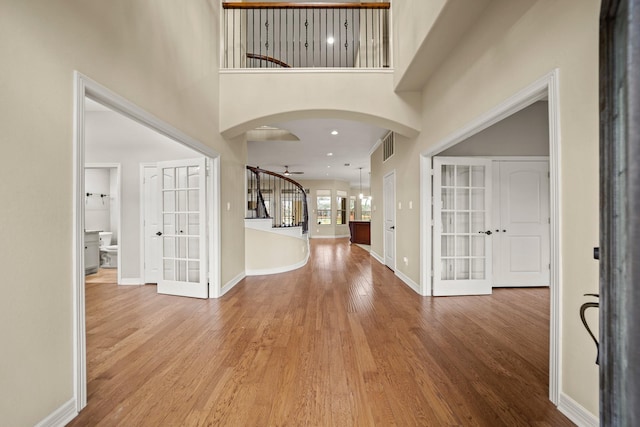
318,153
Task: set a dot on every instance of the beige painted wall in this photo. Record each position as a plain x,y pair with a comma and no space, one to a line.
511,45
325,230
332,94
159,55
267,250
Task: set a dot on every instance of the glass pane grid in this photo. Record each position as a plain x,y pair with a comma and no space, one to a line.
181,220
463,215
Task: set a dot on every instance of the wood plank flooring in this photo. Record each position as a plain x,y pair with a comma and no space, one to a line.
339,342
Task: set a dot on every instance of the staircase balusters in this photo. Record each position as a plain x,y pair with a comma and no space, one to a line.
306,35
271,195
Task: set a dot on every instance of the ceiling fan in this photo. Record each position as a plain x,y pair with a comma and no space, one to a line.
287,173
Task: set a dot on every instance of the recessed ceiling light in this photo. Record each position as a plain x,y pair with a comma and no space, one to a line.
329,154
328,166
330,40
334,132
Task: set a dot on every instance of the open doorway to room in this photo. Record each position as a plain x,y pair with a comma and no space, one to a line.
102,182
469,187
491,227
110,129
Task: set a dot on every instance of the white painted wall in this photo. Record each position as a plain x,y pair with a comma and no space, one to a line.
114,221
97,209
113,138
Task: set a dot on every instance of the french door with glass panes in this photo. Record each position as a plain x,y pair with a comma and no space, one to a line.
183,210
461,235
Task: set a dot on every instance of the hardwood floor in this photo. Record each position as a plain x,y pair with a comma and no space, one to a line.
339,342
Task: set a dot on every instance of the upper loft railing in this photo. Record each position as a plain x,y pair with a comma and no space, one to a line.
271,195
306,35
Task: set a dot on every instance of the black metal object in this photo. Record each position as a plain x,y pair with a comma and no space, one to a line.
275,196
583,309
620,207
268,35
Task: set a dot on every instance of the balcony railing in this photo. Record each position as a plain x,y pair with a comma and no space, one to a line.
306,35
271,195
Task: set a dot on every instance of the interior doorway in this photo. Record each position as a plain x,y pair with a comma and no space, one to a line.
544,89
86,88
103,201
389,188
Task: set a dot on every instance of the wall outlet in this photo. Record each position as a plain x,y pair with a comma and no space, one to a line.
228,206
399,205
410,204
406,260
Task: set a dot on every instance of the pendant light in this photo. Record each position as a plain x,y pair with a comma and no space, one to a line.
361,195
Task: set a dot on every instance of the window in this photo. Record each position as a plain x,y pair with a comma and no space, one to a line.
323,206
287,213
341,203
365,204
352,208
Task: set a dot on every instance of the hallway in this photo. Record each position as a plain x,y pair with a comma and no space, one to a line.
339,342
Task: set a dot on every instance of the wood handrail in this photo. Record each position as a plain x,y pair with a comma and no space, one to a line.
258,170
268,59
286,5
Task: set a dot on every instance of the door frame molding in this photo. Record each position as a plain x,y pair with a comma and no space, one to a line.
143,271
516,159
384,219
118,168
83,87
546,87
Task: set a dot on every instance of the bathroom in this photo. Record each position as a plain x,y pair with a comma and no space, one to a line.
102,213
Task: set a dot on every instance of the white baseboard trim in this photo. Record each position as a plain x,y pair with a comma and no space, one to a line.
131,281
61,416
576,412
276,270
231,283
330,237
413,285
377,257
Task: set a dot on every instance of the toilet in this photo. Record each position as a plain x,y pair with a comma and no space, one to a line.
108,252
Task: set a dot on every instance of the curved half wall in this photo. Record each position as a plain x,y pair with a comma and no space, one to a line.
251,98
271,251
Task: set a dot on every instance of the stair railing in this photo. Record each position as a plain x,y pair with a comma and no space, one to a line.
275,196
309,35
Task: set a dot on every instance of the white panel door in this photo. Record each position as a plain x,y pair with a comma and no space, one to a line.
152,226
461,235
521,226
389,188
183,209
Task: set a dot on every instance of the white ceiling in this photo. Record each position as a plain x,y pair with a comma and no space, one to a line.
351,145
